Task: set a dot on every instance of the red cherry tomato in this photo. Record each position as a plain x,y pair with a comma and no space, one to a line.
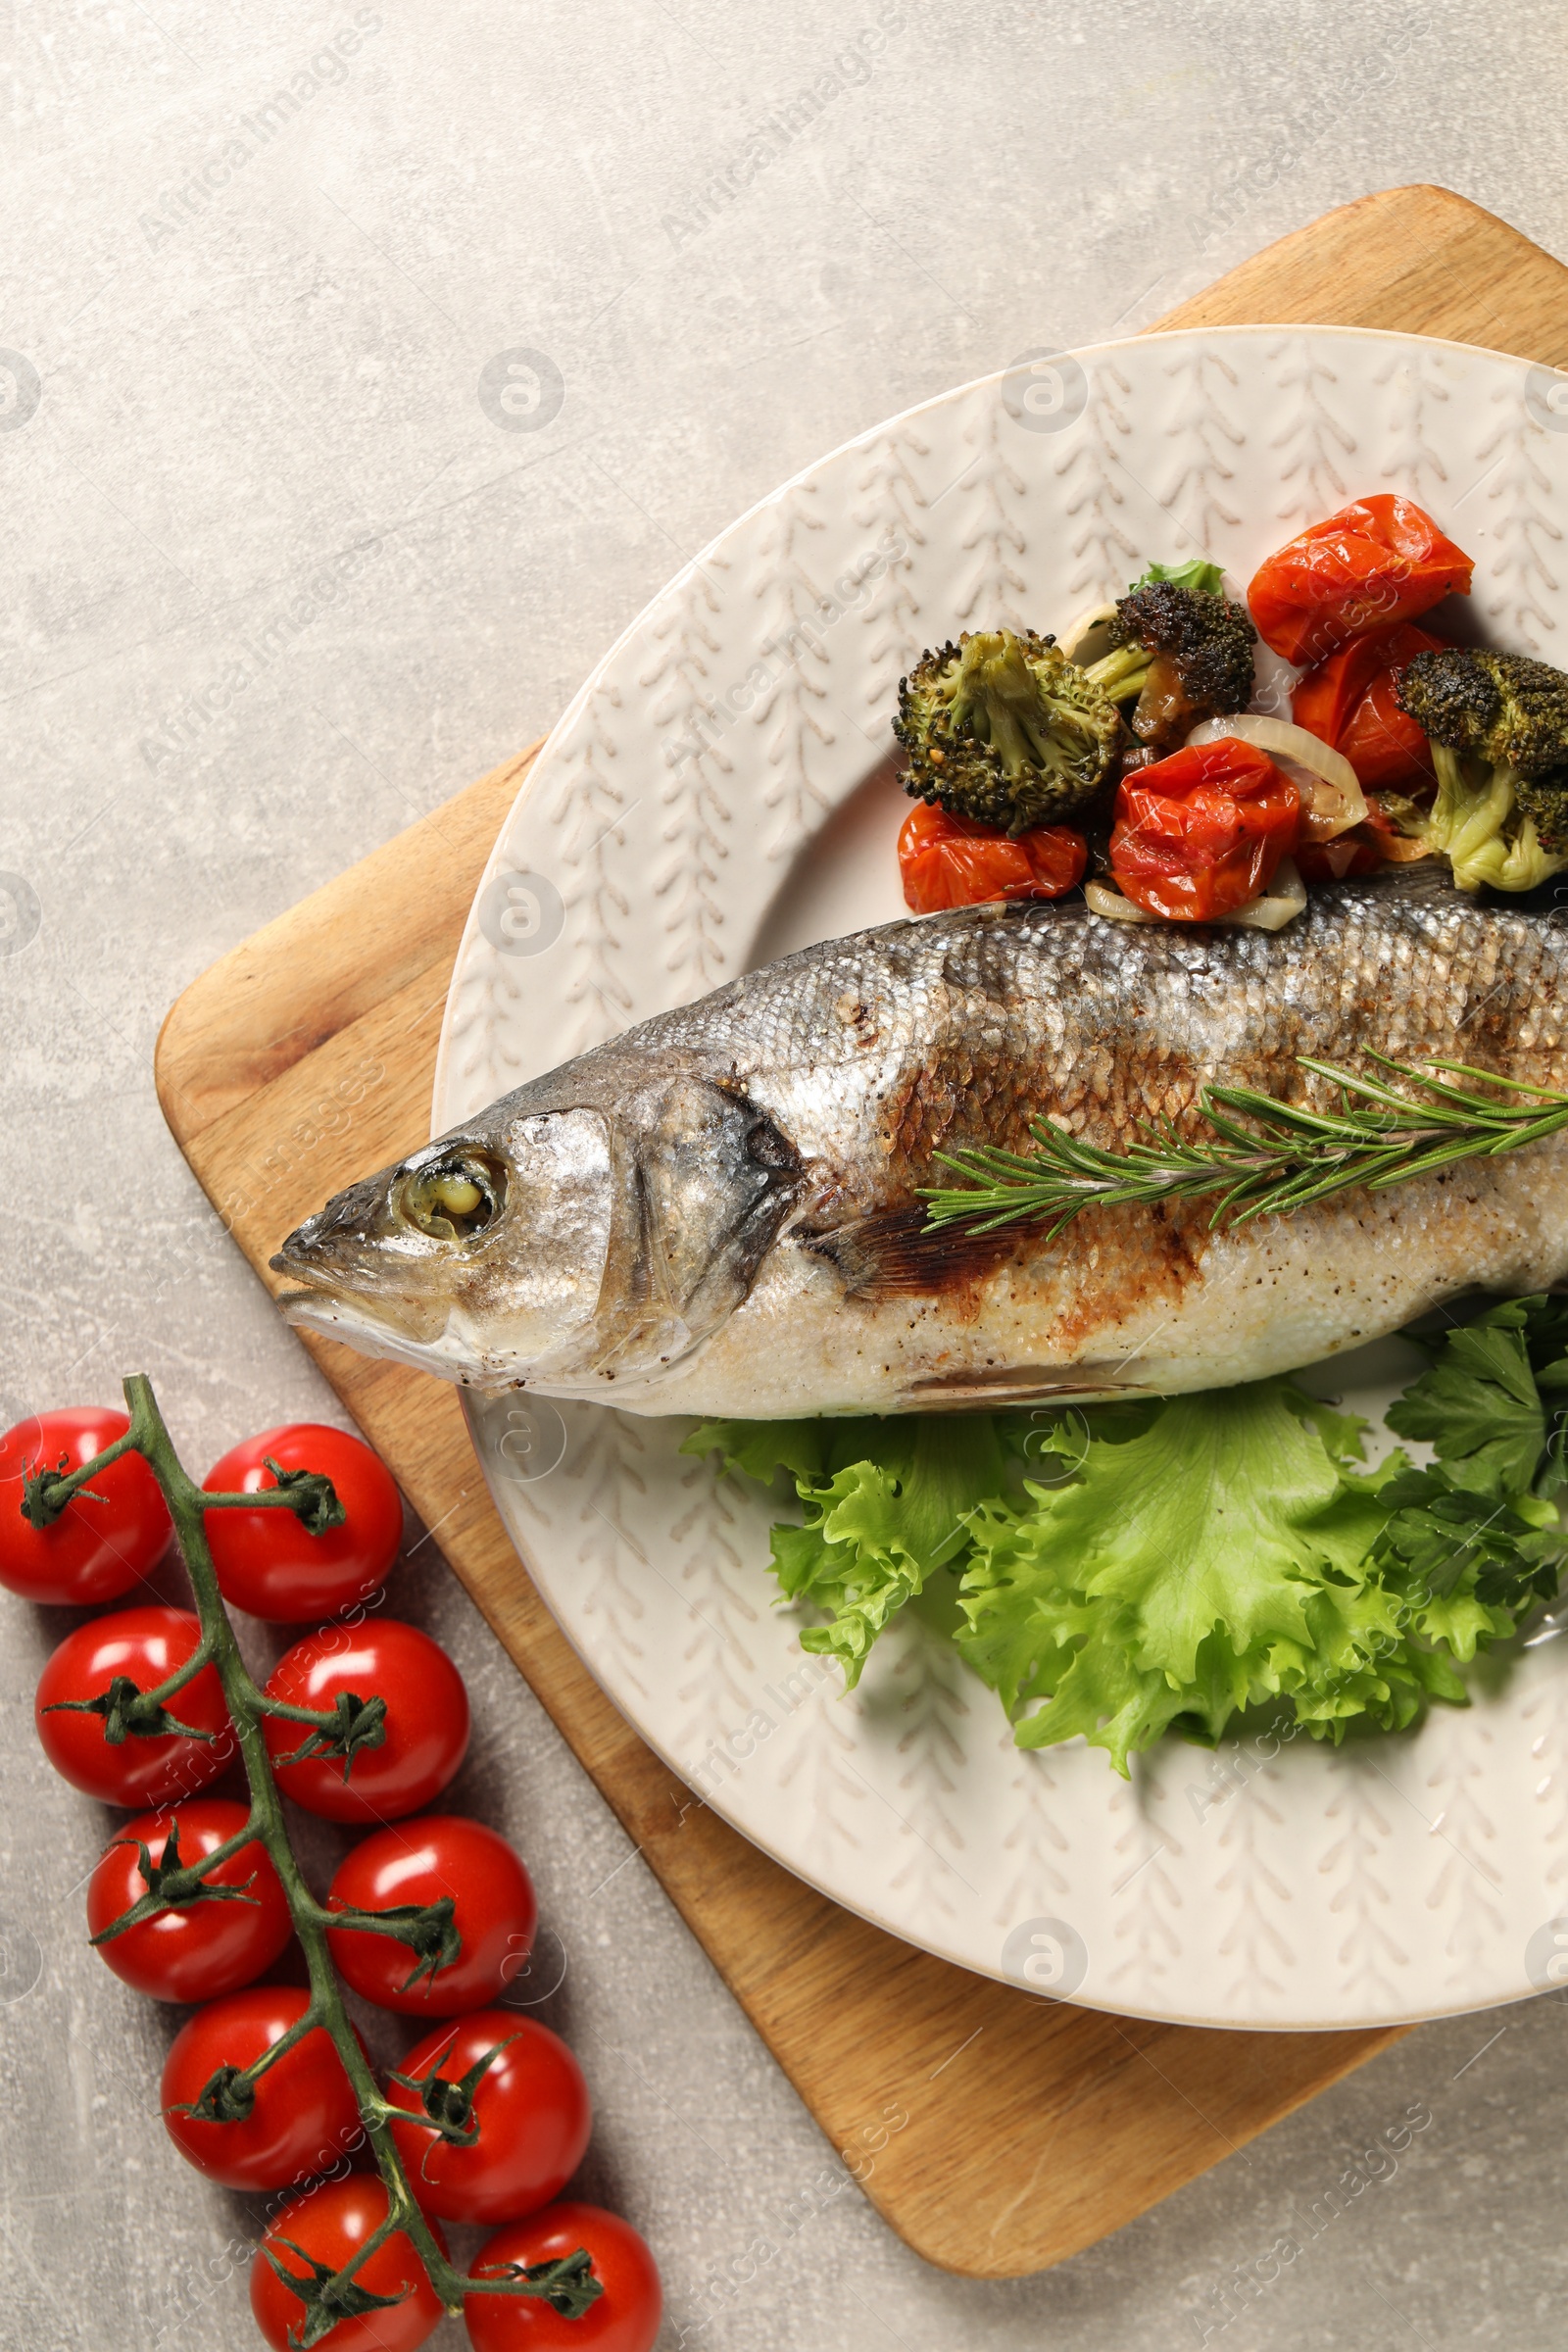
329,2225
266,1561
94,1550
626,2318
1349,702
531,2107
947,861
1202,832
203,1948
426,1722
304,2116
143,1647
1377,560
423,1862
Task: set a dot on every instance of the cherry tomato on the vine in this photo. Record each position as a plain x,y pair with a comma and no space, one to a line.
329,2225
204,1947
531,2107
266,1561
140,1648
624,2318
425,1727
427,1861
1203,831
947,861
94,1550
303,2116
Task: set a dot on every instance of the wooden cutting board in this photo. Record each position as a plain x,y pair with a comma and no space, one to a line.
305,1058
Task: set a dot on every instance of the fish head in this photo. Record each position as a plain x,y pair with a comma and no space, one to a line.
480,1258
555,1245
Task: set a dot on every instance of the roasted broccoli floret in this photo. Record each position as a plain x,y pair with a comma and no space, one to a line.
1542,802
1182,649
1498,728
1501,708
1006,729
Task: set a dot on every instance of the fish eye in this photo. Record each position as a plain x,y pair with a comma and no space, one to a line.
453,1198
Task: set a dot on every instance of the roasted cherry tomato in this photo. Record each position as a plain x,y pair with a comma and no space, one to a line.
94,1550
1377,560
425,1726
530,2105
103,1660
328,2225
203,1948
304,2116
267,1562
626,2318
422,1862
1347,702
947,861
1202,832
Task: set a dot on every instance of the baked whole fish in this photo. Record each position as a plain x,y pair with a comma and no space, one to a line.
718,1212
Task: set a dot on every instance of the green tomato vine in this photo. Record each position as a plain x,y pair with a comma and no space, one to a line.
327,2296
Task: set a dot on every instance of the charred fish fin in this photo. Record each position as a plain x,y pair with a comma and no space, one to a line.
892,1252
1019,1384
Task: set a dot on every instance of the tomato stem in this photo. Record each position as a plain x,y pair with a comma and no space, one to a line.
284,1713
302,1495
170,1887
128,1712
147,1701
46,1492
568,2285
351,1724
214,2102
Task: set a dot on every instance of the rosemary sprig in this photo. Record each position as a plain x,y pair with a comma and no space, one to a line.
1281,1159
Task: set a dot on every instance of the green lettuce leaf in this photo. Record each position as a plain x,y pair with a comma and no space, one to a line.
886,1502
1206,578
1176,1574
761,1449
1114,1572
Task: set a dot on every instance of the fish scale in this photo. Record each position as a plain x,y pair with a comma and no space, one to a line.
719,1212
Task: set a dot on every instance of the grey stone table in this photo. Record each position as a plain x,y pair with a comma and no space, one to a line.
256,259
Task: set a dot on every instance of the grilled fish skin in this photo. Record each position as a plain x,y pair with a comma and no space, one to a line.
719,1211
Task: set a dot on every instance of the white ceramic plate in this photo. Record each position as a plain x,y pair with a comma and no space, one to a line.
717,794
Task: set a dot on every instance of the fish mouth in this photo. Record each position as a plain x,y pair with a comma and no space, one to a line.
320,1270
316,1281
310,1310
331,1305
347,1300
354,1322
376,1281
